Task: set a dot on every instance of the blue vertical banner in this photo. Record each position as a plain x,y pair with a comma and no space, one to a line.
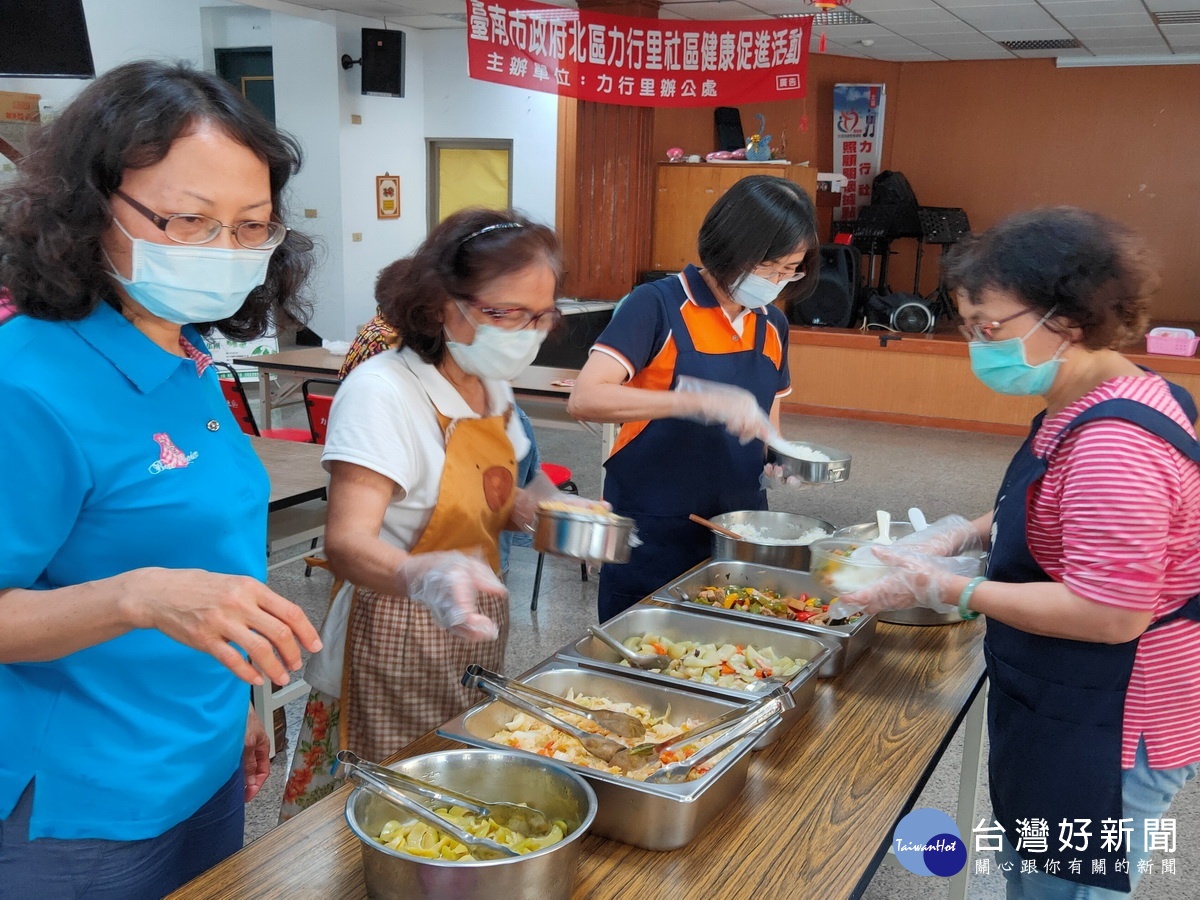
857,143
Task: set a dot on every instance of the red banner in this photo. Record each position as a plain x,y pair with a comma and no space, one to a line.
636,62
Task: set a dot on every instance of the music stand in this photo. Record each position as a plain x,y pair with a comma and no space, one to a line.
944,225
874,230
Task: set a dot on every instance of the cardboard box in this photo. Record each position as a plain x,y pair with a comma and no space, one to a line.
17,107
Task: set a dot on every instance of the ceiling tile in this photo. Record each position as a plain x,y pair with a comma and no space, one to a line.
1060,8
1180,30
1054,33
988,18
1130,33
1172,5
716,10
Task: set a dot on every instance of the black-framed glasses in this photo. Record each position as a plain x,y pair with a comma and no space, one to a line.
983,331
514,318
192,228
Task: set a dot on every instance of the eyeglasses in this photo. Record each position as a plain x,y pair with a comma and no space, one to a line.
982,332
188,228
514,318
786,274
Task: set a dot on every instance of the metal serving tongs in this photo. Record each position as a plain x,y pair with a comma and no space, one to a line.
597,745
639,660
481,848
644,754
525,819
610,720
766,713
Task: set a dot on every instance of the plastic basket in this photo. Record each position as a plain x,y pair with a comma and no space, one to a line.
1172,341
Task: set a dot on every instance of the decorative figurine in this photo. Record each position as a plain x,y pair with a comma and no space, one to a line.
758,146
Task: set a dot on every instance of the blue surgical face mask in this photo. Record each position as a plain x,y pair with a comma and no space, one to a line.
1003,367
755,292
187,283
497,353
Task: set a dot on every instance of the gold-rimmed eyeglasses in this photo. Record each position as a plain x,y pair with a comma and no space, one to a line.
190,228
983,331
777,273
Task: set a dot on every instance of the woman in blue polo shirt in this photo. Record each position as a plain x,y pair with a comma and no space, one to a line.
693,366
133,509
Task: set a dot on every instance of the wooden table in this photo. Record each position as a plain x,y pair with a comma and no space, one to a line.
291,368
815,819
294,469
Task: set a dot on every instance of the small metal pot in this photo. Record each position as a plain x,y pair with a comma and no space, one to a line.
836,469
495,774
595,537
779,525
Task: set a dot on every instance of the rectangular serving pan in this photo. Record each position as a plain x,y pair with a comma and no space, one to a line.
684,625
851,640
653,816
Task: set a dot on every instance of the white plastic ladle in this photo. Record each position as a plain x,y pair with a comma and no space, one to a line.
883,519
917,519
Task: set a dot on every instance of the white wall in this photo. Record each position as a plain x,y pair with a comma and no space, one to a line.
458,107
314,101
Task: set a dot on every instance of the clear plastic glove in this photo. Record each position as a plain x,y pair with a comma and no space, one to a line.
948,536
713,403
540,490
773,478
916,579
448,583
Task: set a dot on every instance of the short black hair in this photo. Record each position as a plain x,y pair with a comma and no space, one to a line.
1092,271
53,215
760,218
464,252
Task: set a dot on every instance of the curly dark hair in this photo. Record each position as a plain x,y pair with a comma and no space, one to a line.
53,215
761,218
1093,272
458,257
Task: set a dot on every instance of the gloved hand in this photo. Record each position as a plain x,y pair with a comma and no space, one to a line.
773,478
448,583
540,490
916,579
713,403
948,536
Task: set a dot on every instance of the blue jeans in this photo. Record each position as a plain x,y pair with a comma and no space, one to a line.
94,869
1146,794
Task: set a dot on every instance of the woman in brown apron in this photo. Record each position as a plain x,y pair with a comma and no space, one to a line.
422,452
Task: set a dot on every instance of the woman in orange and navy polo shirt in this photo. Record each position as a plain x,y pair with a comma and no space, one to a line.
693,366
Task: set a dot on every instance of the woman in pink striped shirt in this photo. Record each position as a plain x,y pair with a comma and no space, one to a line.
1092,593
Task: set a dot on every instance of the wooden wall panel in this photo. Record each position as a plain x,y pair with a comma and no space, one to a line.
995,137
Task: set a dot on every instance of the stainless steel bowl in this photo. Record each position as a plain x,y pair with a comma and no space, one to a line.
489,775
835,470
653,816
777,525
595,537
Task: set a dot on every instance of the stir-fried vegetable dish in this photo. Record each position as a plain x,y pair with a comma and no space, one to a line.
725,665
771,604
418,839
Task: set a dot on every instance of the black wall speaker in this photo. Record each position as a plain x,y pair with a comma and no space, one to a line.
833,303
383,62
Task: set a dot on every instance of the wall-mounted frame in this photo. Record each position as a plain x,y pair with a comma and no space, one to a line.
467,172
387,196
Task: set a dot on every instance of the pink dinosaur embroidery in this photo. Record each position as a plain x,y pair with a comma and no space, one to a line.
169,456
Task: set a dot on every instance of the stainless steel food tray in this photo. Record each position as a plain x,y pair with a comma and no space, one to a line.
850,640
684,625
653,816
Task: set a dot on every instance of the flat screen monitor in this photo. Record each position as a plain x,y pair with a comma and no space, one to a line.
44,39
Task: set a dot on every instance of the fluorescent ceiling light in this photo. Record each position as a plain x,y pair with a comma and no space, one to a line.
1079,62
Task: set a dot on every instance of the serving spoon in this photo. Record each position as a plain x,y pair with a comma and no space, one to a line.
638,660
719,529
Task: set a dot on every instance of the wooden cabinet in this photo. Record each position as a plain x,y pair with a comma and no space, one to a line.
683,194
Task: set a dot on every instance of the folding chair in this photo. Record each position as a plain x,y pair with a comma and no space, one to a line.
235,396
561,476
317,406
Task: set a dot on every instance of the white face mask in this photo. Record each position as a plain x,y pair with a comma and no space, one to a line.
496,353
187,283
755,292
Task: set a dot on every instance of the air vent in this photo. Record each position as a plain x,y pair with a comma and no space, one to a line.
1057,44
824,20
1181,17
454,17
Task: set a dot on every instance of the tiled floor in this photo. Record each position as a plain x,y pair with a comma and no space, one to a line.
894,468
